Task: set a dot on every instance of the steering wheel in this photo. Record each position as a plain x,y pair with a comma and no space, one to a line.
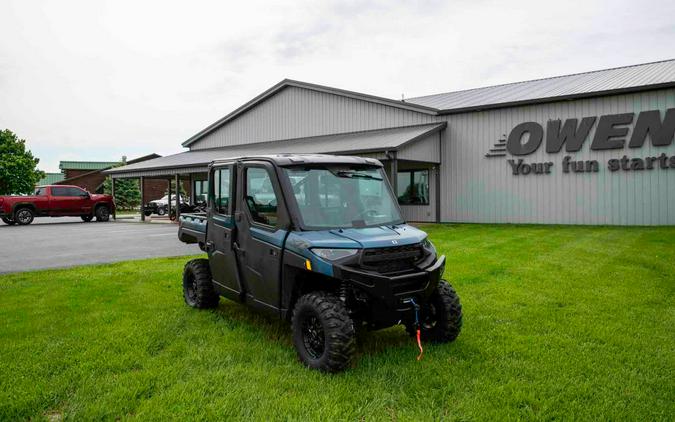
370,212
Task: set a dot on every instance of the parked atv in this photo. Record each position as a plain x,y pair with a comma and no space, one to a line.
318,241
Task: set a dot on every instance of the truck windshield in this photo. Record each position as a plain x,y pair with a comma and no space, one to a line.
342,197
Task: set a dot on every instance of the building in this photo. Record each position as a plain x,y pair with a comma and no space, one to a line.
588,148
90,175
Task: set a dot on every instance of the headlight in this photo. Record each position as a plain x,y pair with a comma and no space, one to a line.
426,243
333,254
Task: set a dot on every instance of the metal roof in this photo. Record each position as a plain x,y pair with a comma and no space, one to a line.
616,80
50,179
86,165
389,139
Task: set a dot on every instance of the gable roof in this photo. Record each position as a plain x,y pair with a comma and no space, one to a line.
314,87
588,84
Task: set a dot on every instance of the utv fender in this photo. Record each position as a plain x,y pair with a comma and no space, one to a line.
297,280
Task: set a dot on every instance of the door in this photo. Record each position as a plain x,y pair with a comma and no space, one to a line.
80,201
220,231
261,220
68,200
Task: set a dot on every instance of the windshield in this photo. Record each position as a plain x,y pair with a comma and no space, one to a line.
335,197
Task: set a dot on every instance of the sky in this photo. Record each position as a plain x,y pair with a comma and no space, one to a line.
96,80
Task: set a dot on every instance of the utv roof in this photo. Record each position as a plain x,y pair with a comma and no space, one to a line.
295,159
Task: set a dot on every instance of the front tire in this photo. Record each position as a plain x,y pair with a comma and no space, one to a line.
8,221
323,332
440,317
197,285
24,216
102,213
86,218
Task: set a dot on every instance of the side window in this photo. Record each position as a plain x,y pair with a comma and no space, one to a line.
75,192
201,191
60,191
261,200
40,191
221,190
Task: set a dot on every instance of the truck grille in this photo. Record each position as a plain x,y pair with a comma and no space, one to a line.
393,259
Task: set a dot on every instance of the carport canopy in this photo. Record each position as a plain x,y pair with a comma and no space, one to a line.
408,142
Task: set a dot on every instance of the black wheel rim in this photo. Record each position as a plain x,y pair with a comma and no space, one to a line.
103,213
23,216
191,288
429,317
313,336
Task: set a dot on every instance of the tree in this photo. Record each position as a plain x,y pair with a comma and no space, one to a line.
18,167
127,192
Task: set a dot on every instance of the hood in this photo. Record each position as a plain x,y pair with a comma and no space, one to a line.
383,236
367,237
99,196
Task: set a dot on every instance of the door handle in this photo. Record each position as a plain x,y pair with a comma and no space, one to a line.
239,250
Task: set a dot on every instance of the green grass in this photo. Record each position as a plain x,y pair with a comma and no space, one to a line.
560,323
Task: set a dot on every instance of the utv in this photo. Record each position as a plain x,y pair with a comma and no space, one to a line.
318,241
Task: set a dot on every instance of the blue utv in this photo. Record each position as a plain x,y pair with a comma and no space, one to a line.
319,241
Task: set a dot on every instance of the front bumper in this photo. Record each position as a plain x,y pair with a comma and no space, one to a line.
390,295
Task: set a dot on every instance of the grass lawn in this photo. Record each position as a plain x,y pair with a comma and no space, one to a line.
560,323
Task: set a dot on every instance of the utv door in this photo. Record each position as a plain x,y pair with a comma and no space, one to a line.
220,231
261,219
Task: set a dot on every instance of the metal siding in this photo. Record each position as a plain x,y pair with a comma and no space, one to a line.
426,149
298,112
480,189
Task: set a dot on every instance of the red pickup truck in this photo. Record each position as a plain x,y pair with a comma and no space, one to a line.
55,201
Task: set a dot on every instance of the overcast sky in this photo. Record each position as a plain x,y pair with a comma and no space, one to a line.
95,80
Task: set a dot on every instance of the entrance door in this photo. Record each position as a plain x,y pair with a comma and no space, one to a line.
219,236
261,219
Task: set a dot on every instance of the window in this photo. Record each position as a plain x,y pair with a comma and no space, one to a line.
201,190
221,190
335,196
413,187
40,191
60,191
76,192
261,200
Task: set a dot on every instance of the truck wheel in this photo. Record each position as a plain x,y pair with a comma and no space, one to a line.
87,217
323,332
147,213
197,285
161,211
102,213
24,216
441,317
8,221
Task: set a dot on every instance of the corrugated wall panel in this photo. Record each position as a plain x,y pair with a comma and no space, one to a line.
426,149
298,112
480,189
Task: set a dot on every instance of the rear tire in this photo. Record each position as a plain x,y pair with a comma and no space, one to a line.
197,285
323,332
86,218
8,221
440,317
161,211
102,213
24,216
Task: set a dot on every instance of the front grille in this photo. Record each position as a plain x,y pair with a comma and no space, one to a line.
393,259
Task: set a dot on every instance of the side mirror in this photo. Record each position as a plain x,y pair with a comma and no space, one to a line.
85,195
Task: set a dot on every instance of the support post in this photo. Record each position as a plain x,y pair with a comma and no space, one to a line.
438,193
168,204
142,185
112,193
177,196
192,189
394,175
